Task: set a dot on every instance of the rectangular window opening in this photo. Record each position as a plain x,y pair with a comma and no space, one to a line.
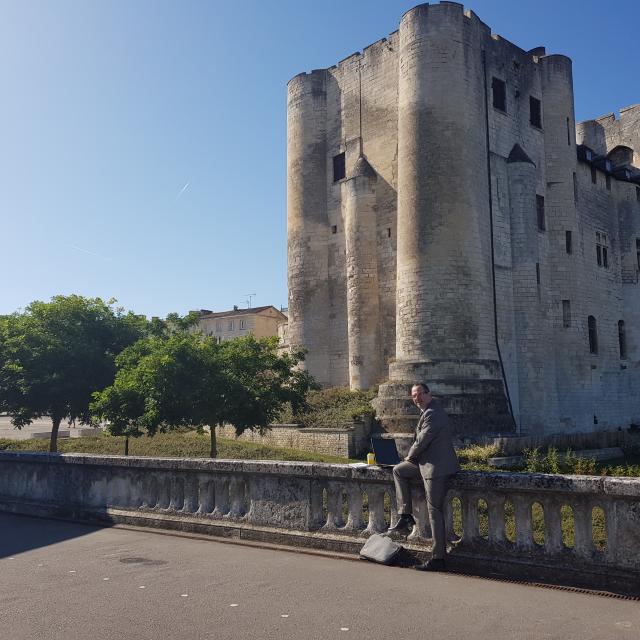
605,258
538,272
540,211
575,187
608,182
638,252
535,112
388,232
230,325
594,175
599,254
499,94
568,132
568,242
243,324
339,167
566,313
334,228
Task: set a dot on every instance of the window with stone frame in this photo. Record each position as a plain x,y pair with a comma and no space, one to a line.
593,335
566,313
542,225
218,326
499,89
243,324
535,112
602,249
230,325
339,167
622,340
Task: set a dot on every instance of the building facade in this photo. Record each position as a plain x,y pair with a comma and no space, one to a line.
448,222
262,322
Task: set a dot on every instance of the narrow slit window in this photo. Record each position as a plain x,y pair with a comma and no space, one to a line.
334,228
540,210
593,335
568,241
605,258
499,94
537,272
388,232
566,313
594,175
599,254
638,252
575,187
622,340
339,167
535,112
608,182
568,132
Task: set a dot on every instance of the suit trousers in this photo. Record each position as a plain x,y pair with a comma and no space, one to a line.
435,490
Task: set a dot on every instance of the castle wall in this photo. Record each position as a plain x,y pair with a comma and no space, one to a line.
406,264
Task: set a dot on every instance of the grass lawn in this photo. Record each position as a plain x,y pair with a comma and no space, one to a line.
176,445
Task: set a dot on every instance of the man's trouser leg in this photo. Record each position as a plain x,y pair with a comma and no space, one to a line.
403,474
435,490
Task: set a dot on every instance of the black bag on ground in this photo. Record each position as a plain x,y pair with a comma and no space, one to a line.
379,548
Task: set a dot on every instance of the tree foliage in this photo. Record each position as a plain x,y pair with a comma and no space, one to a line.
185,379
55,355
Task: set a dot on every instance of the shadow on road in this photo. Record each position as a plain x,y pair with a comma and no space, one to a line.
24,533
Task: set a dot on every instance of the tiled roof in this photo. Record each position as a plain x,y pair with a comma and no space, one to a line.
205,313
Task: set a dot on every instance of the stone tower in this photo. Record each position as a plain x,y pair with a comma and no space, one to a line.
436,231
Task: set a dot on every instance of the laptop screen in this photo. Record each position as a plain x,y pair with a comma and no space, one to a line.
385,450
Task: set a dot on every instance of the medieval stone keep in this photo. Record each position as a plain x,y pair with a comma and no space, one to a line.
449,222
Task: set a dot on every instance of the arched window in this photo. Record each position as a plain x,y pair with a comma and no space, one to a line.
593,335
622,340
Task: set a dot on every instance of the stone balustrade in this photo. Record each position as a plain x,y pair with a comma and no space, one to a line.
530,524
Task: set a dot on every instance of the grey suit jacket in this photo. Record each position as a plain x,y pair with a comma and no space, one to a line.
433,448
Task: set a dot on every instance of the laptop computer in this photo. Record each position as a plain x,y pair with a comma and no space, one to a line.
385,451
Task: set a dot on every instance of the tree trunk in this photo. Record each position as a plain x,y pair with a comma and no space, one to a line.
126,445
214,446
53,444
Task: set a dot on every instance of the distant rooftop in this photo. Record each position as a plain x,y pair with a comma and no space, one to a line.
206,313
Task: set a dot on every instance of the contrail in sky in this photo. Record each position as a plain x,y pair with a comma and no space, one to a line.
85,251
186,186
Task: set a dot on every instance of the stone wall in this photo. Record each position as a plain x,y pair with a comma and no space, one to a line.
351,441
454,180
323,506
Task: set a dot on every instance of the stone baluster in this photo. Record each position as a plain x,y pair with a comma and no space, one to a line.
334,506
164,492
448,516
422,529
149,492
496,519
375,496
176,499
354,518
316,515
552,526
190,494
237,497
470,531
582,529
206,492
522,512
222,497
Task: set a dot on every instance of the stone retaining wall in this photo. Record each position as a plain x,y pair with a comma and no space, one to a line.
351,441
336,507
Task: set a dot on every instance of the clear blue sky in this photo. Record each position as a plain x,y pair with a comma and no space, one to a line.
143,143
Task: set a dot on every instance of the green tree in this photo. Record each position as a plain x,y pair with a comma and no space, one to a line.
181,379
55,354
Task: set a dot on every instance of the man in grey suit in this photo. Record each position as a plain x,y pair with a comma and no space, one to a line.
432,458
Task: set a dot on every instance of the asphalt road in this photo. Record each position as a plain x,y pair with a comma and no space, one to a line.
63,580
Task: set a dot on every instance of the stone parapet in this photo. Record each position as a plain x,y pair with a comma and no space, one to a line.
334,507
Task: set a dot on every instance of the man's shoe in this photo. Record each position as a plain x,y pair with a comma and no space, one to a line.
435,564
403,526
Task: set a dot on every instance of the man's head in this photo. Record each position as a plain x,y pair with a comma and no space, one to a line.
421,395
